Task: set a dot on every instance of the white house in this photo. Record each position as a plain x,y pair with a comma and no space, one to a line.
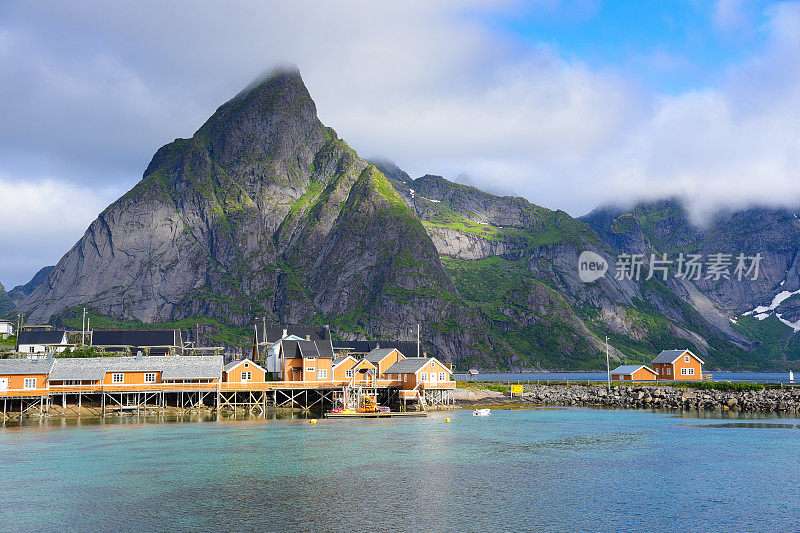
42,341
6,328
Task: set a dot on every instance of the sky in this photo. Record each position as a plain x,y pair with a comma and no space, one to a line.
572,104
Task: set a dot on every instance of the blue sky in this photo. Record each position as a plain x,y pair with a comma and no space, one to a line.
669,46
572,103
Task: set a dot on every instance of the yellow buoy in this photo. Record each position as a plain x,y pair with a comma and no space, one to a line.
312,421
447,420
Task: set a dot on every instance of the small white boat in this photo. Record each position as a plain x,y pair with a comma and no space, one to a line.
481,412
791,376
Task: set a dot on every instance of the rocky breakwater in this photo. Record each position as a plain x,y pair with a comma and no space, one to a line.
657,397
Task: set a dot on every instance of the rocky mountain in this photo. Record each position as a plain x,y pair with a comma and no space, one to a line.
21,291
6,304
761,309
266,212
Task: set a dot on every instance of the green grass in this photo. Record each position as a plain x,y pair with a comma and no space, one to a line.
717,385
11,340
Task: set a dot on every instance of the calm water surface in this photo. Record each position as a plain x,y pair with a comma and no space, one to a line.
559,469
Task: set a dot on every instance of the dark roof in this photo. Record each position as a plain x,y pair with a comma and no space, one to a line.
275,332
135,338
669,356
405,347
295,349
39,336
308,349
25,366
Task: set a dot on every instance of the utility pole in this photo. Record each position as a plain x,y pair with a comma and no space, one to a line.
417,339
255,328
19,329
264,330
608,365
83,328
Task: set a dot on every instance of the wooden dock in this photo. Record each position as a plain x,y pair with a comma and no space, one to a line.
395,414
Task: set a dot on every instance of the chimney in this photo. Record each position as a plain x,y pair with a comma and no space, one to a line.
308,337
285,333
377,345
425,354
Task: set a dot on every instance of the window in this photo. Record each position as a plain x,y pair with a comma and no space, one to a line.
117,378
687,371
310,358
150,377
30,349
310,369
685,358
690,371
424,376
442,376
669,370
405,377
247,365
246,376
348,373
30,383
433,364
322,373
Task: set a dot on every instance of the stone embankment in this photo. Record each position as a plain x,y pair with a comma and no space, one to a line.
656,397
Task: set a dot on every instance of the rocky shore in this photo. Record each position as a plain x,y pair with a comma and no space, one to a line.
644,396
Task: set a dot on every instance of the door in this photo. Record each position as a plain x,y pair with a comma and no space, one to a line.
433,378
3,383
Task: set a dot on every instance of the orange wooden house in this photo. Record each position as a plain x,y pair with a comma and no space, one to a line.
24,377
343,367
420,372
135,373
678,365
243,371
306,360
633,373
383,358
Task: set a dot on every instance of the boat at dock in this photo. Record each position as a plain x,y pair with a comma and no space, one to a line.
376,414
481,412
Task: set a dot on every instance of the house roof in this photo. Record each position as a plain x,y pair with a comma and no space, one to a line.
136,338
25,366
41,336
233,364
670,356
630,369
295,349
409,366
176,367
339,360
378,354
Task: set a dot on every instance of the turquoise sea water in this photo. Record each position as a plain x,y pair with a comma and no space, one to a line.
549,469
